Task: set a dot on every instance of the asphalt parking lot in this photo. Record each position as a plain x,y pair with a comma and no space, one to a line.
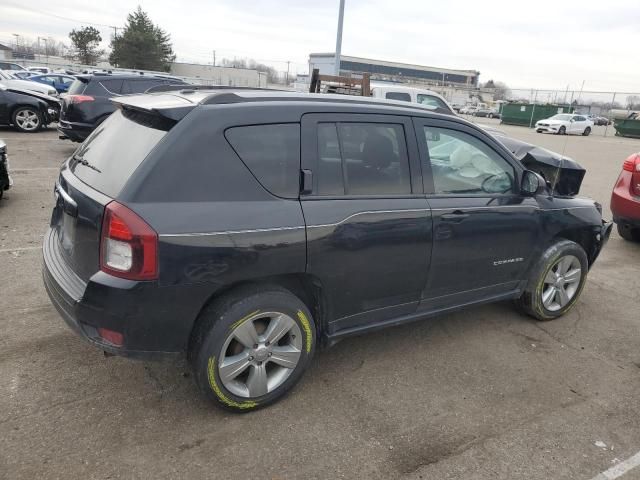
481,394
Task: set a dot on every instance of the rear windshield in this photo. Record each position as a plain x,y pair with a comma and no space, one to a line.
110,155
77,87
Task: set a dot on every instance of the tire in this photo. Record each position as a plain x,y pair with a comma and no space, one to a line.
628,233
250,314
562,131
586,132
27,119
563,257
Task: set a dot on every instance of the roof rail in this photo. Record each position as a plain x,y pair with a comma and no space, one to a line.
230,97
188,86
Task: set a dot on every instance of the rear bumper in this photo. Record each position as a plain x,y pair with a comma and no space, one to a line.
155,322
76,132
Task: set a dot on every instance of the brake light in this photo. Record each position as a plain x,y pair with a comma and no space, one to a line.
80,98
128,245
632,164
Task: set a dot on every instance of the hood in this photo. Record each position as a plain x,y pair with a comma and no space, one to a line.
563,175
52,101
28,85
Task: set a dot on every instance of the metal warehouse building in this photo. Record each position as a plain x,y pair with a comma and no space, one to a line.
392,71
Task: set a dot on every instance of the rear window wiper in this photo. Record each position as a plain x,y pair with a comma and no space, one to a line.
82,161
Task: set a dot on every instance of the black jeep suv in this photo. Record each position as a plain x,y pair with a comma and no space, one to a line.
88,101
246,228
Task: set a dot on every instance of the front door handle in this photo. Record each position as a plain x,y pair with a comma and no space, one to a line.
455,217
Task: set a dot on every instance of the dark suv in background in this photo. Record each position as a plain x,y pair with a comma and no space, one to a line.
88,102
245,228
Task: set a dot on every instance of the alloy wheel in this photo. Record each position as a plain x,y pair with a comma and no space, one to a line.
260,354
27,120
561,283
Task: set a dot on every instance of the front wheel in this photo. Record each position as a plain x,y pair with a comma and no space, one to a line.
252,347
27,119
555,282
586,132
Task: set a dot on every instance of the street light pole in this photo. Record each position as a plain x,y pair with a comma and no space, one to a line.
339,38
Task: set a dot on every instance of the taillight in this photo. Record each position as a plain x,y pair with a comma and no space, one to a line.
632,164
128,245
80,98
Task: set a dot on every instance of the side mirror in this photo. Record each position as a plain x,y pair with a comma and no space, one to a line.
572,120
532,184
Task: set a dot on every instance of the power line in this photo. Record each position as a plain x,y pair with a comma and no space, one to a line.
41,12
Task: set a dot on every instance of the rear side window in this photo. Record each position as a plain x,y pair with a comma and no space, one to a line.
140,86
104,87
272,153
362,159
403,96
110,155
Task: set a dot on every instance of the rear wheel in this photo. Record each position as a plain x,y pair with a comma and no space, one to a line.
562,131
586,132
555,282
629,233
252,347
27,119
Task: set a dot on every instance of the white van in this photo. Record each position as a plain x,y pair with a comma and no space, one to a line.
411,94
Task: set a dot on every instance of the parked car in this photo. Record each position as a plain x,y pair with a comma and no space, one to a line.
40,70
12,66
625,199
5,179
468,110
412,94
565,124
88,100
8,80
27,111
486,112
60,82
601,121
264,241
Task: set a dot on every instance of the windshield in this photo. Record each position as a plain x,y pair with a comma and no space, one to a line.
563,117
4,76
113,151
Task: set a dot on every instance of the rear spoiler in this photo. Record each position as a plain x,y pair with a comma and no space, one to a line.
174,108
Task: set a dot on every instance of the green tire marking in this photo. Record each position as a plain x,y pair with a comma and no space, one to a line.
307,329
211,369
236,324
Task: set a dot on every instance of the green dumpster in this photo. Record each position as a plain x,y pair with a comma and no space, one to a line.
626,127
527,114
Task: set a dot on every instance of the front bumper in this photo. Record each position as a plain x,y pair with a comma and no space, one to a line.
547,128
602,237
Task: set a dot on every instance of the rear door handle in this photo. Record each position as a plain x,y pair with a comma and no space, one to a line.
455,217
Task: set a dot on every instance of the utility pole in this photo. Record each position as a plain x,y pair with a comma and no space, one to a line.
287,81
214,58
115,31
17,39
339,38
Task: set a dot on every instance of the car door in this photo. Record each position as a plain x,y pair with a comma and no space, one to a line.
368,223
484,230
580,124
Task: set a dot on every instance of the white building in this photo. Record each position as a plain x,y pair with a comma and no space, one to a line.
234,77
393,71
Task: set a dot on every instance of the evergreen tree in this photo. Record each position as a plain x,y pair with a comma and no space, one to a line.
142,45
85,43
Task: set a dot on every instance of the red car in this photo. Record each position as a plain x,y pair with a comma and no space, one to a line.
625,199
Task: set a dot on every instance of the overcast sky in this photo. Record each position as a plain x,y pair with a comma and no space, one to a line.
539,44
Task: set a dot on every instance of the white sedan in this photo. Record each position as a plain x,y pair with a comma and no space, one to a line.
565,124
9,81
